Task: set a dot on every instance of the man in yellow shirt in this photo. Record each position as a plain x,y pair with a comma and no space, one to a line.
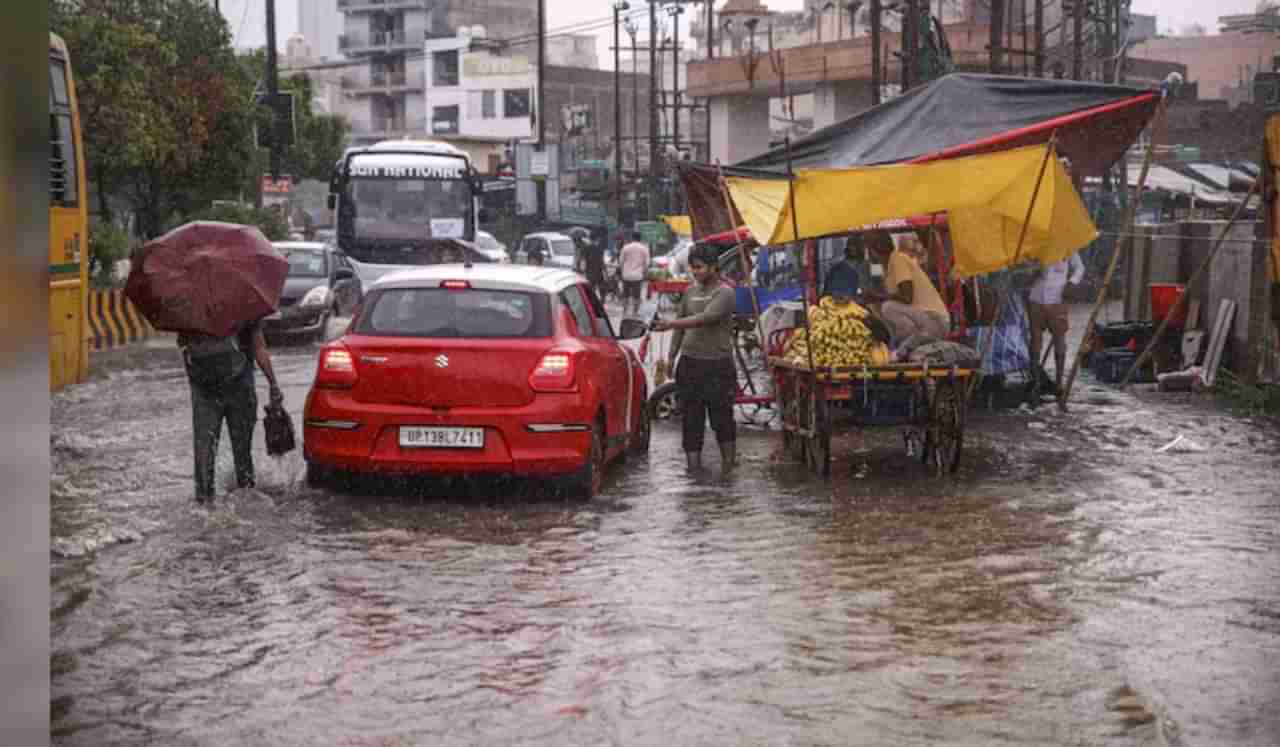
910,304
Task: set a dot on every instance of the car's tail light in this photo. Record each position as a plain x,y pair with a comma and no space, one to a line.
337,368
555,372
455,285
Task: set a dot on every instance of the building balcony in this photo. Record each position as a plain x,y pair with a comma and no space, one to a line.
382,41
370,84
388,128
368,6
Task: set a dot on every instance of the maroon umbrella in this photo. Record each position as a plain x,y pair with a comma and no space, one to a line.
206,277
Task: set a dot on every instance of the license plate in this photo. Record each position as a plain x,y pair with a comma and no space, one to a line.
441,438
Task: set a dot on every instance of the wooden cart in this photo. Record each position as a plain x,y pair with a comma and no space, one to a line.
930,401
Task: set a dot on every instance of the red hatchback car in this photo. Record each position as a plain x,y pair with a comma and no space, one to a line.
487,368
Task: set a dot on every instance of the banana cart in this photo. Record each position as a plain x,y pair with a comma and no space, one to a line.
929,401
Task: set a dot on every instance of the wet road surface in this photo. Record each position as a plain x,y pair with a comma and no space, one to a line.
1071,585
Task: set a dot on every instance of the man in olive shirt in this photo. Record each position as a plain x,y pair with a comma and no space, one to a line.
910,304
706,376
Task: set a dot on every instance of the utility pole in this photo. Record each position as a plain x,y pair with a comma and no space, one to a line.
910,16
540,185
618,7
1039,24
653,109
876,83
273,89
675,11
1077,40
995,44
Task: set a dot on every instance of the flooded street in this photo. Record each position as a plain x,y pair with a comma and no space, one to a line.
1071,585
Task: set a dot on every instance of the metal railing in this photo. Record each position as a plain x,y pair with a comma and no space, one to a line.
382,40
355,6
389,126
383,80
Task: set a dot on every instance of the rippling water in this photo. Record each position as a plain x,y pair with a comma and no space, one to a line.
1070,586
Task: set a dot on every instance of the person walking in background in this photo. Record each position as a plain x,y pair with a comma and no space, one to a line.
220,373
634,262
910,304
705,373
1046,311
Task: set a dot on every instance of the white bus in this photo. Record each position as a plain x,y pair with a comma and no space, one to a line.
403,203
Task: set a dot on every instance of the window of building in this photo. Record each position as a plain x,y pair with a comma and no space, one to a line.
515,102
444,68
488,104
444,120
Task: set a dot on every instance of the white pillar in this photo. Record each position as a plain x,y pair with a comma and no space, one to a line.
739,127
835,102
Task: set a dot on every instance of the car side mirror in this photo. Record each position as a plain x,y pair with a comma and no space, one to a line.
343,274
632,329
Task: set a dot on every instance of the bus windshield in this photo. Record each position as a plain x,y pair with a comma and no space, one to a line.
407,209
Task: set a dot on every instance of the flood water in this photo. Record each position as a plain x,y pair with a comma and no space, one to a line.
1070,585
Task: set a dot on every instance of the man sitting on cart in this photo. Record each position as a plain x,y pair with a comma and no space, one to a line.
910,304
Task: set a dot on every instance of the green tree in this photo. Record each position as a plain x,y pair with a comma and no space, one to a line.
318,138
166,107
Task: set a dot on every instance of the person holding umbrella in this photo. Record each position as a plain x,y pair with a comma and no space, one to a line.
220,373
211,283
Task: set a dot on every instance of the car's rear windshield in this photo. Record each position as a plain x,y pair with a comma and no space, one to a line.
439,312
562,247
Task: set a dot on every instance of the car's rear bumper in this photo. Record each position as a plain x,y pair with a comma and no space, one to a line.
550,436
294,320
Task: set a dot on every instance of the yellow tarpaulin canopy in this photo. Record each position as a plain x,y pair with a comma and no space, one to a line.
679,224
985,197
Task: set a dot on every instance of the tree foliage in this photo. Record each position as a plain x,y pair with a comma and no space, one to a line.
167,108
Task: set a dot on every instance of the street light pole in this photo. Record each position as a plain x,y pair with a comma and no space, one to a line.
653,109
540,185
631,29
273,89
618,7
674,11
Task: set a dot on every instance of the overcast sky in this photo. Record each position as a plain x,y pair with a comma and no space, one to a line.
247,18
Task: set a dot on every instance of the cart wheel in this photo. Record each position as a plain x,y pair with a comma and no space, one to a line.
664,403
944,435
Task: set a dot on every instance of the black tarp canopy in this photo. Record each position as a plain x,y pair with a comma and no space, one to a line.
956,115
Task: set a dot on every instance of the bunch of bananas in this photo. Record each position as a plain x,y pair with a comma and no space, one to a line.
839,338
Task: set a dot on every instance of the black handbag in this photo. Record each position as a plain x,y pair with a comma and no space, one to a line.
277,429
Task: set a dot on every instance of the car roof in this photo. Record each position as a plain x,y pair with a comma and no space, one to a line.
313,245
486,275
548,235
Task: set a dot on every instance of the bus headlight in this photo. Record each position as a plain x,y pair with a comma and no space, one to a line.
317,296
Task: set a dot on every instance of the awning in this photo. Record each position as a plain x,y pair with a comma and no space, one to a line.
679,224
961,114
985,196
1168,180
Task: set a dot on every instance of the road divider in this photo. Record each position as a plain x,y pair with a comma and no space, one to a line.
113,320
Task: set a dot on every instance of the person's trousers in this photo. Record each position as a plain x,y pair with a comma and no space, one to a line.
906,321
707,388
218,393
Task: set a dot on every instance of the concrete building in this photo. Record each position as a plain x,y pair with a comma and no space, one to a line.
481,96
320,24
386,91
328,95
1219,63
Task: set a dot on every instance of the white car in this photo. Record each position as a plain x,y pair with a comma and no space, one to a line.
557,249
488,245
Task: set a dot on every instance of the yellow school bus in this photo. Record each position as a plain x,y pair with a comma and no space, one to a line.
68,227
